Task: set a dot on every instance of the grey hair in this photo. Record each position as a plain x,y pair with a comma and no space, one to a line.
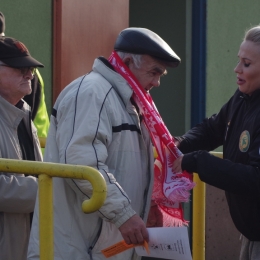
253,35
137,58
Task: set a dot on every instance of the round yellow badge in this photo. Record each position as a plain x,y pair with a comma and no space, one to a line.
244,141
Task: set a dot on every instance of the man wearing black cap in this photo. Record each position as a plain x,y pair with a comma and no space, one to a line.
36,99
18,140
96,121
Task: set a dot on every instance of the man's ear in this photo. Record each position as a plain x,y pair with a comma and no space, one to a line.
127,61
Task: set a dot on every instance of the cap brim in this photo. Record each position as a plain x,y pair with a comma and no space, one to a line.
20,62
171,64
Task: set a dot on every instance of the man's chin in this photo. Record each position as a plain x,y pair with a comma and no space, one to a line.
27,91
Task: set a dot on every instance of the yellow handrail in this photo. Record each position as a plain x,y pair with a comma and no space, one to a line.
46,171
198,216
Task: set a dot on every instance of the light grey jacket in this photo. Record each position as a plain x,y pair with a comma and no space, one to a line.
17,192
97,125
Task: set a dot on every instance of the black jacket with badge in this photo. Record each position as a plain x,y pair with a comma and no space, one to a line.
237,128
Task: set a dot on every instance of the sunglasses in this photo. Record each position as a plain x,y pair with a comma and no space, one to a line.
24,71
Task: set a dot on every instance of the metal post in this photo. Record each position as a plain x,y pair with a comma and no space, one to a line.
45,217
198,216
198,219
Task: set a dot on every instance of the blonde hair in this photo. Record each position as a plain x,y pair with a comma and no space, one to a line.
253,35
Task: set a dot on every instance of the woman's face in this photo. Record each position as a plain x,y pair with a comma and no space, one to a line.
248,67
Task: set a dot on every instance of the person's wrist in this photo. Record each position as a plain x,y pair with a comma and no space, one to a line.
189,162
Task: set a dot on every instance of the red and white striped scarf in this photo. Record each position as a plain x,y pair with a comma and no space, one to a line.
170,188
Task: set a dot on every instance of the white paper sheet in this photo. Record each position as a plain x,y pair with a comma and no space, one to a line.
167,243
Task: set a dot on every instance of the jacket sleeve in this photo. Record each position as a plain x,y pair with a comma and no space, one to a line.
17,193
232,177
207,135
88,141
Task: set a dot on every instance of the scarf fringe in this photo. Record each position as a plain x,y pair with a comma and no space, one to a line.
181,190
173,217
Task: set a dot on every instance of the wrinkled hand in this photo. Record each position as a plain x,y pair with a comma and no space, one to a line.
155,218
177,164
134,230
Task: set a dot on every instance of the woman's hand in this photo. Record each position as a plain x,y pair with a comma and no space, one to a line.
177,164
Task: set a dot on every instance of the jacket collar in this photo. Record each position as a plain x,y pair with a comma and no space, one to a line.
255,95
103,67
11,114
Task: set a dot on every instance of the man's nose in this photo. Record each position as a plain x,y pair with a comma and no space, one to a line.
29,75
156,82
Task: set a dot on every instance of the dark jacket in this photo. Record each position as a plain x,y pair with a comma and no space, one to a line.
237,128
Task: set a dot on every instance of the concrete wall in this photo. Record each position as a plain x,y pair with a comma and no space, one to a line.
30,22
226,24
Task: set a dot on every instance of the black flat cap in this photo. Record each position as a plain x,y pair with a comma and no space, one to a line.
143,41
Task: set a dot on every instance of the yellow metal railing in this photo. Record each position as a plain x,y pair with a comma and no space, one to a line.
46,171
198,216
198,219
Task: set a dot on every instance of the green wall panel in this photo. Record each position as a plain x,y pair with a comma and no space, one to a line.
227,20
30,21
226,24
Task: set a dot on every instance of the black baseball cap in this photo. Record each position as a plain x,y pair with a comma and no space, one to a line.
15,54
144,41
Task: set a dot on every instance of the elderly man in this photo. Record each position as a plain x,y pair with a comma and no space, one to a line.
96,121
18,140
36,99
